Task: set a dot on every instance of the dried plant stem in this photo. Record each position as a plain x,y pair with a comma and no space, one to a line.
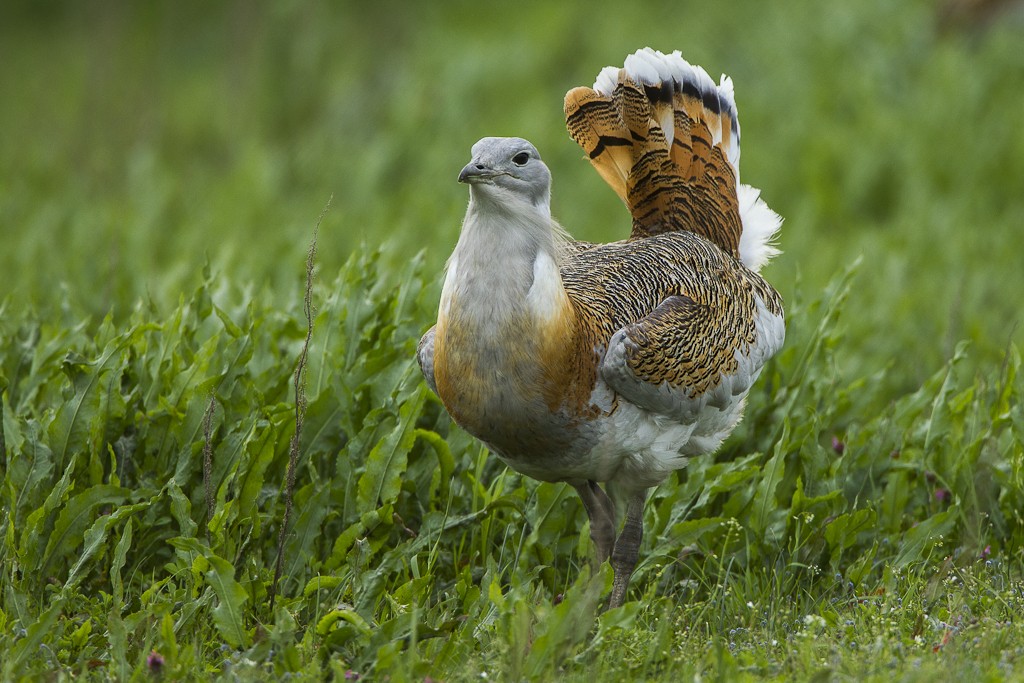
208,459
3,443
300,405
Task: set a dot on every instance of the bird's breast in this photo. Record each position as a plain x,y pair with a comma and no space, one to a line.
508,379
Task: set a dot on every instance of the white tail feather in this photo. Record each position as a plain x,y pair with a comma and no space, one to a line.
651,67
760,227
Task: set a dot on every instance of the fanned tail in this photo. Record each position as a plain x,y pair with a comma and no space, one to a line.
666,138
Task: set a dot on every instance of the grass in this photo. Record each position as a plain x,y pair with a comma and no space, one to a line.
161,174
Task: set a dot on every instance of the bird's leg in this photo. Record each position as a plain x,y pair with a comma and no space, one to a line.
627,547
601,512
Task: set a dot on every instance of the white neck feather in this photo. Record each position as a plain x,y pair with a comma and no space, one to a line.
505,264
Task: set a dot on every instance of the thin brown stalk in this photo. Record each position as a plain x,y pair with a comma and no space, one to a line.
3,443
208,459
300,405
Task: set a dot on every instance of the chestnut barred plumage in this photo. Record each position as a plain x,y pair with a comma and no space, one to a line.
609,364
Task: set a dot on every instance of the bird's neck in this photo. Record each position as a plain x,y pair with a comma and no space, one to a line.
505,320
505,266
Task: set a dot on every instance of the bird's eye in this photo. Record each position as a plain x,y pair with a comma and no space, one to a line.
521,159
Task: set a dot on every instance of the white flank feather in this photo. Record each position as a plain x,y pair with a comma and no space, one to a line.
546,297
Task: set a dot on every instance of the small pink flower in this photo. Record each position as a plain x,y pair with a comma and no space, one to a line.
986,552
351,675
155,662
941,495
837,445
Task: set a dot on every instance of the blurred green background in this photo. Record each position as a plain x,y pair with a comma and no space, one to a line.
139,141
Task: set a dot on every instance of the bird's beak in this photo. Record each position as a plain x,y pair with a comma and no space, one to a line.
474,172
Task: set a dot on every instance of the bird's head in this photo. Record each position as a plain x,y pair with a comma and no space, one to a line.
508,170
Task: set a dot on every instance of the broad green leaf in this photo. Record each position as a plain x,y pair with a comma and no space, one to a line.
35,635
30,468
322,430
75,418
80,636
689,532
445,461
937,425
117,563
566,626
764,506
259,454
918,542
181,509
95,536
321,582
896,495
3,421
860,568
228,615
229,325
169,638
329,621
75,517
801,502
843,531
32,536
321,353
1002,407
344,541
387,461
190,406
117,638
312,507
47,351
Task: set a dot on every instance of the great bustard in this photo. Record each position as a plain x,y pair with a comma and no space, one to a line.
611,363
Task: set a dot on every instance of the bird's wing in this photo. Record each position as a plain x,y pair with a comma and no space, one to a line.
683,325
669,364
425,355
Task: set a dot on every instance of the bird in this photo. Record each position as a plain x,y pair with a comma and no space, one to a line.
608,366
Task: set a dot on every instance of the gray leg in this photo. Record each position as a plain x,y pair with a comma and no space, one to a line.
627,547
601,512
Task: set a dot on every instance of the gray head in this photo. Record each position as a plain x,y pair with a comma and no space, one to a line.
508,170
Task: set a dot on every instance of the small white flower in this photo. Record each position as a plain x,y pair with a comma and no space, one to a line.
815,621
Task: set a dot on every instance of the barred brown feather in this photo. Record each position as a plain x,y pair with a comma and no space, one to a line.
686,184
